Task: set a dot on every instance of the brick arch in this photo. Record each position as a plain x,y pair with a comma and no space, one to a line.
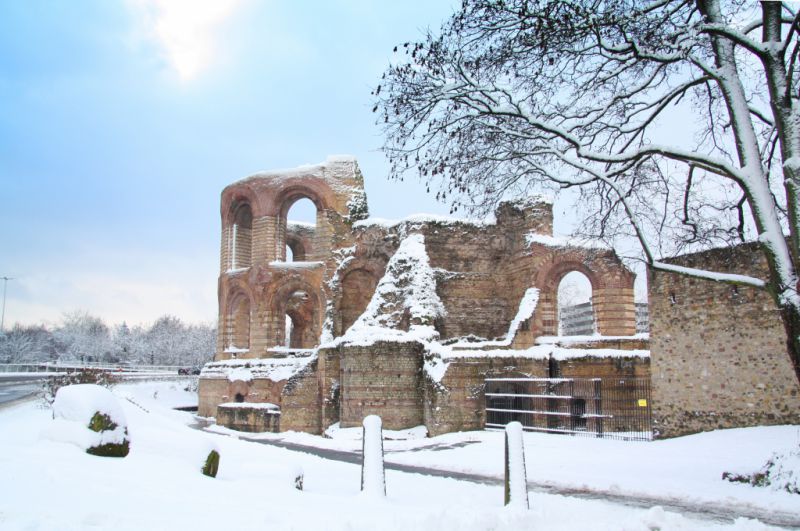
238,194
321,195
237,312
612,291
237,236
358,285
551,278
279,304
238,391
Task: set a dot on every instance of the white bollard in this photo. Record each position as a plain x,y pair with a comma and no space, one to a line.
516,484
373,477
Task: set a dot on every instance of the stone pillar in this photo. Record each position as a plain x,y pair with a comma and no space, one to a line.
614,311
263,238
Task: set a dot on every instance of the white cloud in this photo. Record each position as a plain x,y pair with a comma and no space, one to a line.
186,30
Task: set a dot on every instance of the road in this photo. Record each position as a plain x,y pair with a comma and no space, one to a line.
16,388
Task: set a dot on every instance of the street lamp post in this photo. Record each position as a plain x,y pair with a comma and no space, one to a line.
3,316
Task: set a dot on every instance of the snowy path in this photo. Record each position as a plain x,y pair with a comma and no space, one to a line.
724,513
447,483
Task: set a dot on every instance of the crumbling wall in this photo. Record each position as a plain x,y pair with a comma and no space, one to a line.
300,407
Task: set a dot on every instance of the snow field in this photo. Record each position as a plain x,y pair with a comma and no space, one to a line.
49,485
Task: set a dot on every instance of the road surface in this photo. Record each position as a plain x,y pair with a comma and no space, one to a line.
15,388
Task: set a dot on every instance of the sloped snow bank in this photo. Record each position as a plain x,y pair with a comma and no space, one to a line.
406,291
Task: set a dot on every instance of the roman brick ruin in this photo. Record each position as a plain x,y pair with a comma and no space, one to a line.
406,319
403,319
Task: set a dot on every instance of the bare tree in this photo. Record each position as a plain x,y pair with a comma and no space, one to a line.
82,337
513,96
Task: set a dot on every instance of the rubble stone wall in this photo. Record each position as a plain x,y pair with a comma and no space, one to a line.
718,351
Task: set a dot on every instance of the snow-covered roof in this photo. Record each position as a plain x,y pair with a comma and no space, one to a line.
303,170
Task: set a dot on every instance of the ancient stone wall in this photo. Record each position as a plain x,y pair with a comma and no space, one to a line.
300,404
482,271
383,379
249,417
457,403
718,351
214,391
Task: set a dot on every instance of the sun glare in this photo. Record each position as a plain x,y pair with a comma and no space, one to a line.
186,30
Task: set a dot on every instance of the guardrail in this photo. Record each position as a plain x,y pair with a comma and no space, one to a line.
70,367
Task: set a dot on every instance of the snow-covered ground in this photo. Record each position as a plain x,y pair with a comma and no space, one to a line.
46,484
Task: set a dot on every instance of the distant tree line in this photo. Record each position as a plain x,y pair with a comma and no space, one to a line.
82,337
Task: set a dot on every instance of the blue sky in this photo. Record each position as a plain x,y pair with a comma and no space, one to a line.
122,121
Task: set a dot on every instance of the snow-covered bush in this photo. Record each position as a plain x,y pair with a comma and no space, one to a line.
84,376
373,476
90,416
516,481
781,472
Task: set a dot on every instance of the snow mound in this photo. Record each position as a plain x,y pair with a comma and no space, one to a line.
336,432
76,408
79,403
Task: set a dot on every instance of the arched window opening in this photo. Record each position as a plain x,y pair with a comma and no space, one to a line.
239,325
358,287
240,246
301,224
575,311
238,398
298,321
288,328
295,244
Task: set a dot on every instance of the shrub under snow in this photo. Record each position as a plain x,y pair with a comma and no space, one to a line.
89,416
781,472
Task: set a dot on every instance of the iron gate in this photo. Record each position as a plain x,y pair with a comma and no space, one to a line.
614,408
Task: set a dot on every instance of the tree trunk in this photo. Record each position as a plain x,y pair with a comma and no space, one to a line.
791,322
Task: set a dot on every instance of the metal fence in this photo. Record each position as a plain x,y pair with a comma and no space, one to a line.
613,408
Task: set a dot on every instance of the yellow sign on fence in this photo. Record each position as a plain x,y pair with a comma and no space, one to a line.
642,402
